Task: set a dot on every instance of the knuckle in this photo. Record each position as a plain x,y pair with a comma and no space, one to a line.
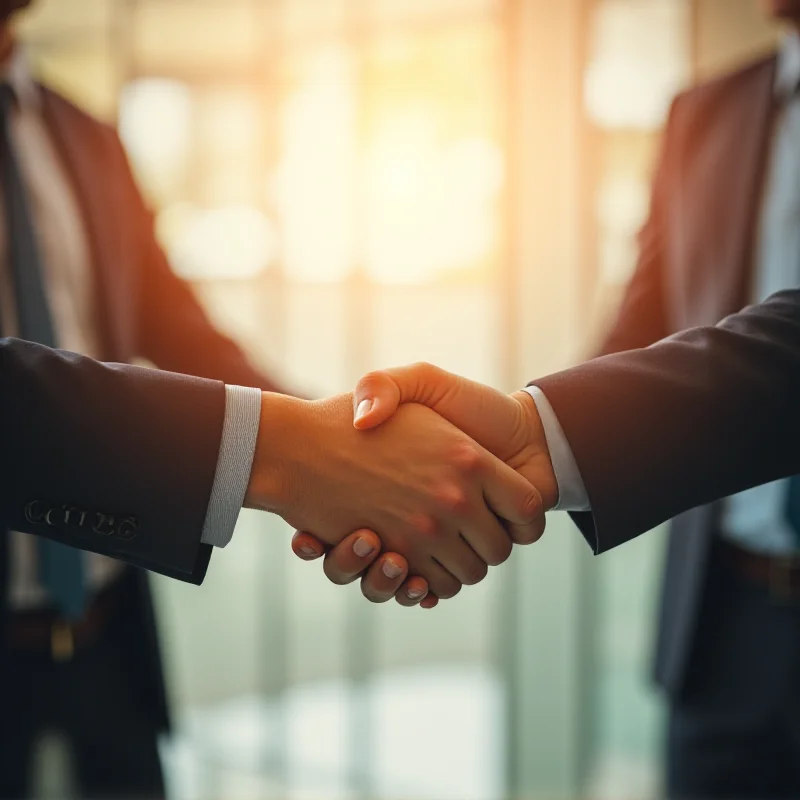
446,588
449,592
374,378
540,528
466,458
337,579
501,552
425,525
531,505
475,573
453,499
335,575
532,533
425,370
373,596
371,588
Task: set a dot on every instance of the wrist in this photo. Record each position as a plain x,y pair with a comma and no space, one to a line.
270,485
535,461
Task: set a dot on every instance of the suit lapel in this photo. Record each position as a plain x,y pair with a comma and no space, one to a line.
74,141
714,210
750,128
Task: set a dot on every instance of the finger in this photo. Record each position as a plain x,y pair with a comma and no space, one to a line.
487,536
515,500
431,601
413,591
354,554
442,583
452,552
384,578
307,546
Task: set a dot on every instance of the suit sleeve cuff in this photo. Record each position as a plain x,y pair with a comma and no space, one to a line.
572,495
237,448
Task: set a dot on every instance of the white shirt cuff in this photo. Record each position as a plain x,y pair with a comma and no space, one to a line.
572,494
236,451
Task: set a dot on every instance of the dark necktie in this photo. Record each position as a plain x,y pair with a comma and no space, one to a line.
60,567
793,501
793,505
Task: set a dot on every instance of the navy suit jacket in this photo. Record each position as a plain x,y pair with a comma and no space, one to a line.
660,430
696,417
695,268
112,458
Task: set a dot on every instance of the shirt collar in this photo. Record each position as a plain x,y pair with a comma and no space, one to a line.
787,73
17,73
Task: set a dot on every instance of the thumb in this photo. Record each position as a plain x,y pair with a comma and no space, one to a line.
379,394
375,399
491,418
307,546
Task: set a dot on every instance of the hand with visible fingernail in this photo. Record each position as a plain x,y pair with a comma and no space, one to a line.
363,548
391,569
383,577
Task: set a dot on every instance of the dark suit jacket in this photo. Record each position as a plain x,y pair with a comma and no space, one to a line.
704,414
694,418
695,268
111,458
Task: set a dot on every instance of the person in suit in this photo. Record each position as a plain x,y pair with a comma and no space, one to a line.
81,269
724,230
626,442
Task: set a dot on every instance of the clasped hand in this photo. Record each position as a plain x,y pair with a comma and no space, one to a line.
465,459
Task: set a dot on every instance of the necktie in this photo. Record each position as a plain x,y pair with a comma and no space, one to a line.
793,499
60,567
793,505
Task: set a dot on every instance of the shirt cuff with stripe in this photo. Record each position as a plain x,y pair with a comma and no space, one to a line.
237,448
572,494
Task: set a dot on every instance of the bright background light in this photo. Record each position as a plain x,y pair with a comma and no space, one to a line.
639,60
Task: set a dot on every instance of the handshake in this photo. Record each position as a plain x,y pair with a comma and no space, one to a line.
419,481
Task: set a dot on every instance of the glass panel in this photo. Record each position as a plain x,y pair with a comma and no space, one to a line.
639,59
629,714
57,20
302,19
316,178
155,123
434,165
207,39
392,13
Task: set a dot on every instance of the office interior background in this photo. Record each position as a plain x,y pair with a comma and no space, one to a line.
359,183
